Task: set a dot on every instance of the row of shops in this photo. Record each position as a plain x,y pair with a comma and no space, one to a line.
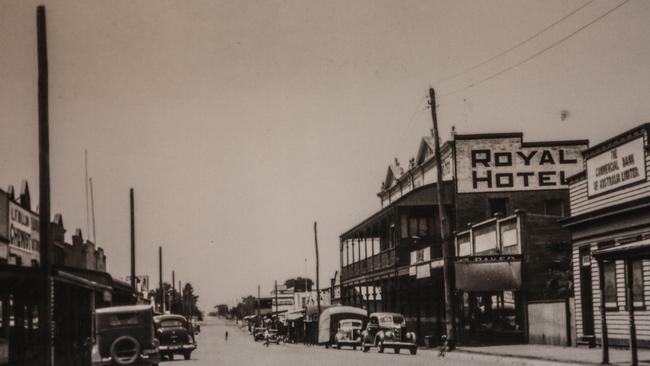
79,281
536,225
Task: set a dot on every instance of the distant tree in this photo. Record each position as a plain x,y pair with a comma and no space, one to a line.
177,302
298,283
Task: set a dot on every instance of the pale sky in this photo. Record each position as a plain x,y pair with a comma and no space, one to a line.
239,123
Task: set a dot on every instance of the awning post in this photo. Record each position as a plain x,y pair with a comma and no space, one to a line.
629,292
603,316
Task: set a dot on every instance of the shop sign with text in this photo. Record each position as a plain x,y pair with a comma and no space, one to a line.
505,164
616,168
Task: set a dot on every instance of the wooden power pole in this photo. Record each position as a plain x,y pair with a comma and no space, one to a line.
45,306
445,230
133,279
317,269
173,297
160,279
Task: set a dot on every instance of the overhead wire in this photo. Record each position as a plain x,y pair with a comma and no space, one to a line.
536,54
516,45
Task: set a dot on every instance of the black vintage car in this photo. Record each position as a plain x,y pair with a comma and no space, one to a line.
175,336
388,330
124,335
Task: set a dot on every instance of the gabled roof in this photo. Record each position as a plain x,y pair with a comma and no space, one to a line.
394,172
426,145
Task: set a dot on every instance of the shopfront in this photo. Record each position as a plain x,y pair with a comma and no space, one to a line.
503,265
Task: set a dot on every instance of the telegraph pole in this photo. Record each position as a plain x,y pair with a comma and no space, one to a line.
180,292
445,230
276,297
133,282
160,279
317,274
171,301
258,303
45,306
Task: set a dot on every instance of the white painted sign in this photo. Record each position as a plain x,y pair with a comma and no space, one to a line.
24,238
423,271
505,164
616,168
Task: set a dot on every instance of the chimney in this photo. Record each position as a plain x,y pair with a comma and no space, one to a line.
77,238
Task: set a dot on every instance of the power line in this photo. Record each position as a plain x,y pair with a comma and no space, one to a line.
409,125
539,52
517,45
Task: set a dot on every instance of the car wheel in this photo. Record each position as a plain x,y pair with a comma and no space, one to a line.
414,350
397,349
187,355
125,350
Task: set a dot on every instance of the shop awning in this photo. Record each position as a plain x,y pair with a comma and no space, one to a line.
295,315
637,249
488,276
71,279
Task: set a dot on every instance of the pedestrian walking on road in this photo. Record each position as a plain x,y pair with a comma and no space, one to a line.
266,337
226,336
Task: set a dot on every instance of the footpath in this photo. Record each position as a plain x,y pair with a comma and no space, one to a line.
558,354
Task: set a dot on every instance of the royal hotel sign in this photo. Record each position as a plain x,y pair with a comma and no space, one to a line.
496,164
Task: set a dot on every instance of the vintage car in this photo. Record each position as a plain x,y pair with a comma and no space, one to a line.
388,330
258,333
175,336
124,335
341,326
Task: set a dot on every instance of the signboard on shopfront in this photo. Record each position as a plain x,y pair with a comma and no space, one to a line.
488,273
500,164
616,168
24,233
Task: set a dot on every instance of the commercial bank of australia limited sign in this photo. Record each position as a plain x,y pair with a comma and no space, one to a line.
505,164
616,168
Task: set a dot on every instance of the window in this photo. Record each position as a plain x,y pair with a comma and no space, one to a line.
404,227
637,282
609,273
554,207
498,206
423,228
464,246
413,226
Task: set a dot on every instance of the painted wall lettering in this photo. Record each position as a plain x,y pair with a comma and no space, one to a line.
503,164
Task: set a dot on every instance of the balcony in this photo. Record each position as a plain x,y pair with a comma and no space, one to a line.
383,260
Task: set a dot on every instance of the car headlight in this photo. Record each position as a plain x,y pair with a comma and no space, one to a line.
389,334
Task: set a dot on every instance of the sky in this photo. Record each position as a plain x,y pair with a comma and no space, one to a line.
240,123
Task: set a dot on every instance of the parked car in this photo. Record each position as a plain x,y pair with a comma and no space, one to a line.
341,326
258,333
388,330
175,336
124,335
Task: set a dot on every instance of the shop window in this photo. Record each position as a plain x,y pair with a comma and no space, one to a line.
637,283
554,207
609,273
498,206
